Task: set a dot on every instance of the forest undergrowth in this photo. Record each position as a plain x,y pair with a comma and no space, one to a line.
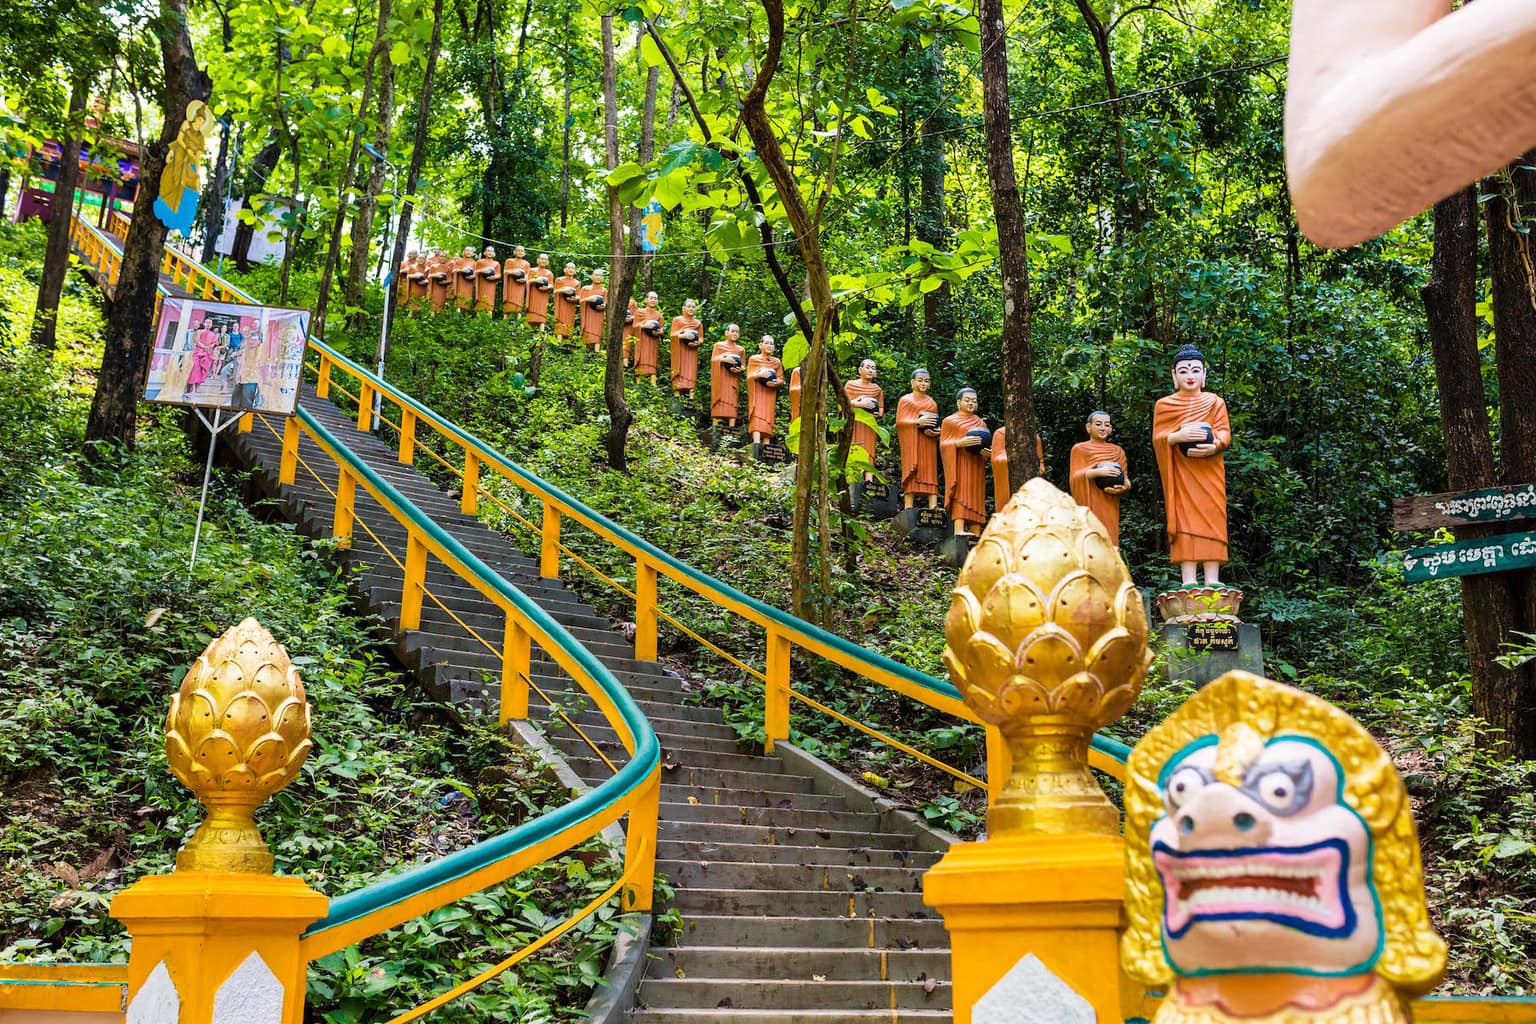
100,617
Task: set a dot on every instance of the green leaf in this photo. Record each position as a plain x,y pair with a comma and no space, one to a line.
399,53
650,53
624,172
796,348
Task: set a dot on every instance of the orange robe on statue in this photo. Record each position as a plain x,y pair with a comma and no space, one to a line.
440,272
591,316
724,384
762,400
685,358
565,308
647,344
1194,490
487,273
863,434
514,291
794,394
629,330
919,452
538,298
464,282
965,471
1085,455
402,282
417,284
1002,489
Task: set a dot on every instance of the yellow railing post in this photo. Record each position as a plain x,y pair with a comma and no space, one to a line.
645,611
469,499
516,664
415,582
217,939
346,494
364,406
549,551
246,423
288,467
207,287
407,436
776,691
323,378
640,846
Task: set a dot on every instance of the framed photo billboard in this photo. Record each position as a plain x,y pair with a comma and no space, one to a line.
230,356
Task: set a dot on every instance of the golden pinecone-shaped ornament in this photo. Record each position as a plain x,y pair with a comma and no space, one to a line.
237,732
1048,641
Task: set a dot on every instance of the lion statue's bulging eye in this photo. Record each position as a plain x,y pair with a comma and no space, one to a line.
1277,790
1183,786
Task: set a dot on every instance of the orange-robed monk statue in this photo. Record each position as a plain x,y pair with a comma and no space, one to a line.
541,285
416,283
727,362
514,283
593,299
1099,474
1002,482
403,278
765,375
1190,430
567,289
864,394
650,324
687,334
964,443
440,274
464,280
917,430
487,273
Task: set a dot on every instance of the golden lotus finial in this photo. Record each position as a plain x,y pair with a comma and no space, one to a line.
237,732
1048,641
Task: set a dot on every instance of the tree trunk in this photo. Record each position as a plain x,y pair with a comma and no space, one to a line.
128,338
212,209
261,168
932,218
418,159
809,484
1512,266
368,201
1018,374
565,128
623,257
56,254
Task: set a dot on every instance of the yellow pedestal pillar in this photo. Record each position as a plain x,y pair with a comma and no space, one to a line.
217,948
1056,897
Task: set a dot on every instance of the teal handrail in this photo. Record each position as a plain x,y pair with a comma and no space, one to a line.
646,757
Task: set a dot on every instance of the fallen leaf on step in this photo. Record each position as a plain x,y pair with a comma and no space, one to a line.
930,984
693,799
818,977
680,973
785,805
703,865
724,1003
669,766
824,833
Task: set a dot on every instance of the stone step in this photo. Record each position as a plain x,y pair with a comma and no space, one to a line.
741,902
799,965
745,798
695,874
755,853
800,932
759,994
674,729
743,814
712,832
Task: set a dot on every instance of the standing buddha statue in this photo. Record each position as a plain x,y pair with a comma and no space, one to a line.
1099,473
464,280
963,444
593,299
567,288
487,273
1190,430
687,333
917,432
541,284
765,375
651,325
864,394
727,362
514,283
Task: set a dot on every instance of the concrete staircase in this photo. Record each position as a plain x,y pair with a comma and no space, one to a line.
801,899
